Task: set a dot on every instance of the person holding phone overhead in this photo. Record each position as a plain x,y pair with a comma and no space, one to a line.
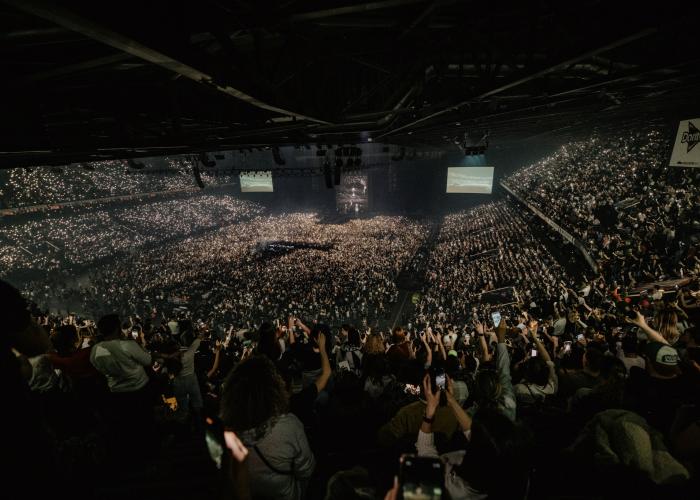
539,374
493,464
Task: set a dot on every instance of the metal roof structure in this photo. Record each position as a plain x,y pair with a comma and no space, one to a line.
96,80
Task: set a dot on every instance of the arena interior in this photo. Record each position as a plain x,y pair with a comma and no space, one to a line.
337,250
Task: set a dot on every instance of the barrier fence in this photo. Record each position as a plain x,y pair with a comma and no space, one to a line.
563,232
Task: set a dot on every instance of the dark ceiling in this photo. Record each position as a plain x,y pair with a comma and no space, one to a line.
92,80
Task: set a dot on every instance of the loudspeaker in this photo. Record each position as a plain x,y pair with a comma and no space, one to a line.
327,175
277,156
197,176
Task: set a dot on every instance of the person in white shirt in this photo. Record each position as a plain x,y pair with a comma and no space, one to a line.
120,360
123,362
174,327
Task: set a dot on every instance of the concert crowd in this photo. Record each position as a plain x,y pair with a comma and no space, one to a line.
639,218
201,367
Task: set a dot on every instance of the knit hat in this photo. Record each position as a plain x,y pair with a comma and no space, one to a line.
662,354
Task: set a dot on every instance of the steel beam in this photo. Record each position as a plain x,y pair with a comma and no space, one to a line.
351,9
528,78
58,15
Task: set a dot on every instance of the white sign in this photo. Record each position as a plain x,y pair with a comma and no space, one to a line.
686,149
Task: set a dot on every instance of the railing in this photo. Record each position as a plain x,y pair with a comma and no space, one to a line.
563,232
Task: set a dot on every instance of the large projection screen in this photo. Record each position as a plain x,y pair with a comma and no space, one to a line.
258,182
478,180
351,195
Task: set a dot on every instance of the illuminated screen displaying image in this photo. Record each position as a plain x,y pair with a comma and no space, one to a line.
477,180
351,194
258,182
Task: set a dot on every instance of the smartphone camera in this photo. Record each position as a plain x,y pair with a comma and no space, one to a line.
440,381
496,317
533,353
421,478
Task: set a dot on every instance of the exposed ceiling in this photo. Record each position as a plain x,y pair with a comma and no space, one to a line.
95,80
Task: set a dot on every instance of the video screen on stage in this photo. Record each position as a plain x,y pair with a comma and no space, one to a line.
256,182
478,180
351,194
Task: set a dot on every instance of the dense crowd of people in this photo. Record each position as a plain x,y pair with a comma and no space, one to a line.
44,185
30,186
75,238
301,410
484,253
349,273
639,218
201,365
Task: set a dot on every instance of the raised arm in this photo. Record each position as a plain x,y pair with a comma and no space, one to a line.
290,329
429,359
463,418
541,349
440,344
425,444
322,379
301,325
503,367
217,361
482,341
651,333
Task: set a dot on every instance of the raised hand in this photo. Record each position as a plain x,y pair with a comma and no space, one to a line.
639,320
532,327
432,399
450,389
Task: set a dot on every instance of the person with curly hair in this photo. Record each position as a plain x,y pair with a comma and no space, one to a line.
255,405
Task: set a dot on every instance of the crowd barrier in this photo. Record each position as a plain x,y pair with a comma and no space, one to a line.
563,232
